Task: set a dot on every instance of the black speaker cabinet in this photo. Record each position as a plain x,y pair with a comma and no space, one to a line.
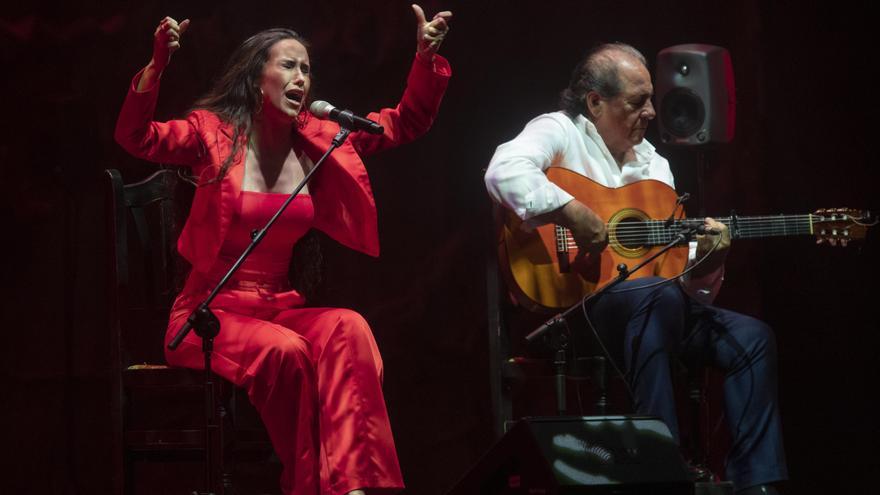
619,455
696,101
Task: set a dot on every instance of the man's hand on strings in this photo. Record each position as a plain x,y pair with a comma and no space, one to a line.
715,245
706,242
587,228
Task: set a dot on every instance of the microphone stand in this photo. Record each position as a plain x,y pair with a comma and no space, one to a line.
558,324
207,326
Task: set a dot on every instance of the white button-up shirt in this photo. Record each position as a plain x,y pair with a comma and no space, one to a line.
516,174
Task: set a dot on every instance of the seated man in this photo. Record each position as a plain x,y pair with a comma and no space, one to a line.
599,133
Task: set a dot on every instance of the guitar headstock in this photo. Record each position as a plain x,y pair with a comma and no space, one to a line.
839,226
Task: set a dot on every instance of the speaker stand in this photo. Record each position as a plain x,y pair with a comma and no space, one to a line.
702,165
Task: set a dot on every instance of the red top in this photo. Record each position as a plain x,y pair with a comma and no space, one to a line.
270,260
262,278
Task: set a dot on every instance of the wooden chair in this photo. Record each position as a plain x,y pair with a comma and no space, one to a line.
159,412
515,365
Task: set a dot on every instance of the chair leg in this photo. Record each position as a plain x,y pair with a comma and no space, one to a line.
600,379
226,434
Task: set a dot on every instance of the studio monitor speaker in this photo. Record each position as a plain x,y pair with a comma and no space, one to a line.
619,455
695,97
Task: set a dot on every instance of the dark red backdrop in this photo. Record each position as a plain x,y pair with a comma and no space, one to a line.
804,93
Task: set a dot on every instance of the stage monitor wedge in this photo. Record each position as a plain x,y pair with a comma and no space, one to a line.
620,455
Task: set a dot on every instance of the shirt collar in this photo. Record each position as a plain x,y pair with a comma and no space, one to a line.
644,151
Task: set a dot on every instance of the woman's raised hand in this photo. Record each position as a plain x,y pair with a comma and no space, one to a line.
429,35
166,40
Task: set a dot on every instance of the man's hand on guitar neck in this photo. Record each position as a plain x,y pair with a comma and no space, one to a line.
706,243
588,229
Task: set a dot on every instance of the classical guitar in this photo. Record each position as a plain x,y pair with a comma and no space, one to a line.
545,272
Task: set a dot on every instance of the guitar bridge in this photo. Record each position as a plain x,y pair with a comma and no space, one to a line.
562,238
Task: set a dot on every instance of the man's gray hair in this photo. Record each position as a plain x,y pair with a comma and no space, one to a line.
595,72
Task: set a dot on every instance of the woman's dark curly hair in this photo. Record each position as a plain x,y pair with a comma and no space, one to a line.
595,73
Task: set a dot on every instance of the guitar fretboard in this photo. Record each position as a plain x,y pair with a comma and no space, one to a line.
660,232
769,226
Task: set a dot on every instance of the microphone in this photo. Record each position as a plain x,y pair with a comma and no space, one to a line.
678,202
345,118
698,227
544,328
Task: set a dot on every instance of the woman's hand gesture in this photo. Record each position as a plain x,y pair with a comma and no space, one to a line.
429,35
166,40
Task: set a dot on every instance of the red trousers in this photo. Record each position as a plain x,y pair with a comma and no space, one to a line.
315,376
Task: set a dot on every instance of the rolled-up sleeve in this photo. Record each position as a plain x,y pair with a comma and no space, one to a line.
516,174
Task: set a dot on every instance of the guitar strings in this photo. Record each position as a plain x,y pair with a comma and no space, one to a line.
664,237
655,231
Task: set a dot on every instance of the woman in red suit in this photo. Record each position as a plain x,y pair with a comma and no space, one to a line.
314,374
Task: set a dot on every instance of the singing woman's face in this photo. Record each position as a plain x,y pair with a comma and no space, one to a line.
286,80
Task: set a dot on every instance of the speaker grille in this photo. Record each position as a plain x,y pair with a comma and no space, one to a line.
598,455
682,112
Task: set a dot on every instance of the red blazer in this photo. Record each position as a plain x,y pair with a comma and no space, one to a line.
344,205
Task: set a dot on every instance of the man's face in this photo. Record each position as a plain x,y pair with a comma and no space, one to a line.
623,119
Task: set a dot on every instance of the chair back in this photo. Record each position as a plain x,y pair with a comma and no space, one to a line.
143,263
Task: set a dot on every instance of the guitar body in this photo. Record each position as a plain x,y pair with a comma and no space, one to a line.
543,279
546,272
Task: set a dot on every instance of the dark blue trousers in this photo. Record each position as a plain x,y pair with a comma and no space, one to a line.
660,323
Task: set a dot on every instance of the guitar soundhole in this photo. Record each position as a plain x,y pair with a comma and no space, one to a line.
631,233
